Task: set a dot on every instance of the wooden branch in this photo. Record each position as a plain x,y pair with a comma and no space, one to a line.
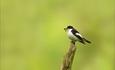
68,59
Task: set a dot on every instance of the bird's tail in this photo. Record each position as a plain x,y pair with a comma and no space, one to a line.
86,40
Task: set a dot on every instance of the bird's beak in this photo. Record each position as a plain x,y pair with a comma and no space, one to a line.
65,29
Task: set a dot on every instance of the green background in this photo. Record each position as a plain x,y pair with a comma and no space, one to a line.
33,36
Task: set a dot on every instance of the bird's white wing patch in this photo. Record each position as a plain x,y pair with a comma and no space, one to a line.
79,34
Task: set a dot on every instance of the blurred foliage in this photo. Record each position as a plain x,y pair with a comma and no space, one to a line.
32,35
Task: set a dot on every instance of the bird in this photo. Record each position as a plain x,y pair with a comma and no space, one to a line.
74,35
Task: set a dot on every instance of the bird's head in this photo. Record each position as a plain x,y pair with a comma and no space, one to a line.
68,27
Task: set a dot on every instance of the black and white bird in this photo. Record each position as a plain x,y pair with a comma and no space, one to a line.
74,35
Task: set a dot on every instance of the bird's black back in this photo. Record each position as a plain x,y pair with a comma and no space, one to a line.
74,31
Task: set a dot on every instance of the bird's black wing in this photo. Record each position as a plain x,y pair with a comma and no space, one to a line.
78,36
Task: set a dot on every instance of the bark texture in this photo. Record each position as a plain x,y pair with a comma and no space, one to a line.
68,59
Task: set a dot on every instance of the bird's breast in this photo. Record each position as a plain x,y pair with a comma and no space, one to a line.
71,35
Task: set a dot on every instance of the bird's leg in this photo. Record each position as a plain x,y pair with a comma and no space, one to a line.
73,42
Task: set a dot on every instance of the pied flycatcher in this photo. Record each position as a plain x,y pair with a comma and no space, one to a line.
74,35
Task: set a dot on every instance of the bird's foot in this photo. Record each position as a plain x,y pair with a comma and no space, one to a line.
73,42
